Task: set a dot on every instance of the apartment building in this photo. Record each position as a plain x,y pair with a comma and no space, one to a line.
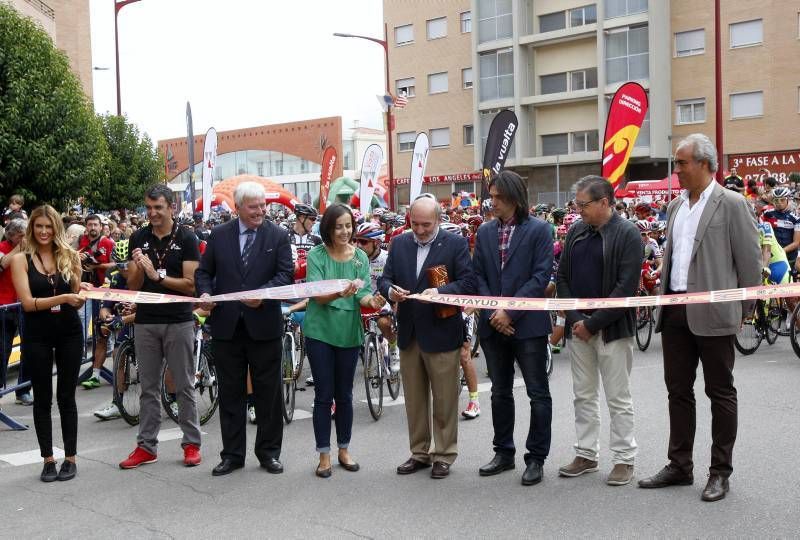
759,87
430,62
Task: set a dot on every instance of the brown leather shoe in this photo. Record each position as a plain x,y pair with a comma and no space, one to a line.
668,476
716,488
412,466
578,467
620,475
440,470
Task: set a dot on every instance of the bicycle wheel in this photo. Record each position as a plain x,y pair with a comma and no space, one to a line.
793,330
288,382
300,352
748,338
549,365
771,320
207,386
169,399
462,380
127,390
373,381
644,326
392,380
476,339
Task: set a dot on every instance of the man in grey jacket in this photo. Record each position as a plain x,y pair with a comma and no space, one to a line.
602,257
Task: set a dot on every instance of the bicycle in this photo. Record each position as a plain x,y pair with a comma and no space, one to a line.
760,326
127,391
376,362
644,314
206,384
292,357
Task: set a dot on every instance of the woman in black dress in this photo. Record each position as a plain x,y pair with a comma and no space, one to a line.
46,277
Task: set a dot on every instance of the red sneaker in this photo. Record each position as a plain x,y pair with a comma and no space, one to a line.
191,455
140,456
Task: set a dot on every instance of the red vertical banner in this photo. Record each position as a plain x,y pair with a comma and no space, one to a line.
326,175
625,117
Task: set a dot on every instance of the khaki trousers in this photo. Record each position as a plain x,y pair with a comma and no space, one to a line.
426,376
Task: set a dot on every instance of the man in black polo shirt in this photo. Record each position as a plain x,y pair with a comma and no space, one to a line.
164,257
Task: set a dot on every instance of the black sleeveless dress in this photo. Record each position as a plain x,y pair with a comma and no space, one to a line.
46,325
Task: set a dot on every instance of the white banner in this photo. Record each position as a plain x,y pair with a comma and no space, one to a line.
418,162
209,164
370,165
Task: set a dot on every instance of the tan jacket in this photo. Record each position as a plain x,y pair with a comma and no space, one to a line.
726,255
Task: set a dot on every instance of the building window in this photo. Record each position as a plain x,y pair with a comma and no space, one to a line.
583,15
439,137
466,78
494,20
405,141
582,79
486,119
747,104
627,57
553,21
469,135
551,84
747,33
437,83
643,140
620,8
348,158
405,87
404,34
466,22
555,144
690,43
497,74
437,28
690,111
585,141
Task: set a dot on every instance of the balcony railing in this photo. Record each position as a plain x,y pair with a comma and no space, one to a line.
44,8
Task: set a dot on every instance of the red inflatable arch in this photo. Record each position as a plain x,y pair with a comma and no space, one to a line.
223,192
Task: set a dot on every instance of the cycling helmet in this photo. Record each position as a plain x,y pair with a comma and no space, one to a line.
571,219
451,228
559,213
370,231
781,193
642,207
541,209
399,220
487,205
378,212
643,225
301,209
660,226
120,253
475,220
445,218
357,217
387,217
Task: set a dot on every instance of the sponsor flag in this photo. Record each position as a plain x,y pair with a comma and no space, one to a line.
625,117
418,162
498,145
326,175
209,164
400,101
190,147
370,165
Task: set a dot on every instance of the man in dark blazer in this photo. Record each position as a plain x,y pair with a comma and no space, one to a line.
245,254
514,258
429,345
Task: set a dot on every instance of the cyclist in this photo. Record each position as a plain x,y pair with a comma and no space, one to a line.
774,258
300,235
785,224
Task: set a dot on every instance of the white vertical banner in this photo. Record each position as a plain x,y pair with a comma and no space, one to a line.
418,162
209,164
370,165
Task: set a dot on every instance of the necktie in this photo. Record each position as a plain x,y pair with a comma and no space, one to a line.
248,246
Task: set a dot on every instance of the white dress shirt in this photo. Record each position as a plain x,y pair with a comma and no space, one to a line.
423,249
683,233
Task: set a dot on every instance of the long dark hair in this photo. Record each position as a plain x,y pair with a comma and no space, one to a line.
328,223
512,188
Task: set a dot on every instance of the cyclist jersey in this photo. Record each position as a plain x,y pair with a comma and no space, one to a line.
652,250
767,237
784,224
376,268
302,241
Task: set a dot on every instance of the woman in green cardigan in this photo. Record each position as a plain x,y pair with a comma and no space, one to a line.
334,333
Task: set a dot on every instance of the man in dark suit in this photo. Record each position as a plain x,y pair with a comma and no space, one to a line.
514,258
245,254
429,345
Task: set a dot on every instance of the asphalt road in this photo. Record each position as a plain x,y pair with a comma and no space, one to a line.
166,499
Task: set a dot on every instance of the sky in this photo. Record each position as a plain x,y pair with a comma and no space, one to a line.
240,63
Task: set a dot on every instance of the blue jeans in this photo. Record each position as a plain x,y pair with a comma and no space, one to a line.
333,369
531,356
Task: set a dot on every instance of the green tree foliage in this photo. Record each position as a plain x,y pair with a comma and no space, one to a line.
134,165
51,144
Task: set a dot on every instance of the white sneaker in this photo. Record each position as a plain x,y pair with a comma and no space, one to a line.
394,358
473,410
109,412
174,408
251,414
310,381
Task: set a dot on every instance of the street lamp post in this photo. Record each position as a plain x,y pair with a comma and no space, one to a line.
385,44
118,5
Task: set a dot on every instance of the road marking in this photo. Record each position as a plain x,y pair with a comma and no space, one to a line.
300,414
172,434
28,458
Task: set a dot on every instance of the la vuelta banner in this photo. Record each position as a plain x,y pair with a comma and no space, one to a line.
498,145
418,162
370,165
625,118
209,162
326,175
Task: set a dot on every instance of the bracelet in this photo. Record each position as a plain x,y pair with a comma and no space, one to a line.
35,307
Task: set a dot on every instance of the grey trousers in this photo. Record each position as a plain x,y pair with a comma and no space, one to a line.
155,344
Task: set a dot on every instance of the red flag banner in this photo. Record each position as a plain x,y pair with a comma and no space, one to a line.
326,175
625,117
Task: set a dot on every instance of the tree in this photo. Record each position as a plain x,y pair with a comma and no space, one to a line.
134,164
51,143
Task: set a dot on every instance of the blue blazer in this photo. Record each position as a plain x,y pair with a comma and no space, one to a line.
526,273
221,271
416,320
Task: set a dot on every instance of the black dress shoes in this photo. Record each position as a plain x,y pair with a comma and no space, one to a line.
533,474
440,470
412,466
716,488
49,473
323,473
668,476
498,464
68,471
352,467
226,466
272,465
